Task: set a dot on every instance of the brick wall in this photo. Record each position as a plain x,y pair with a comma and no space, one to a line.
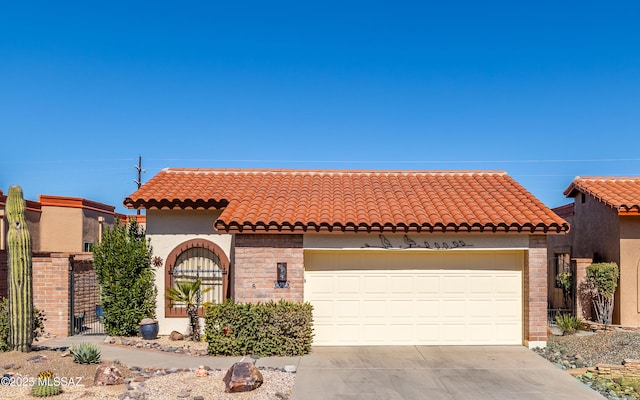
51,291
52,287
86,288
255,260
535,290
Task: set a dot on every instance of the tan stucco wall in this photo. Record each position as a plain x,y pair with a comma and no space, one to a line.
167,229
597,236
91,225
599,230
61,229
629,286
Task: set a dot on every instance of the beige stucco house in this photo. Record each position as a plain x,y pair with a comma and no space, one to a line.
62,224
384,257
62,229
605,227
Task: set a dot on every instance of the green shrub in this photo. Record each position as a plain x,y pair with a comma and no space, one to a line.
264,329
602,281
122,262
86,353
38,324
568,324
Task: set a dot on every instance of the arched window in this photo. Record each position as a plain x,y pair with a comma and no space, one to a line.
197,259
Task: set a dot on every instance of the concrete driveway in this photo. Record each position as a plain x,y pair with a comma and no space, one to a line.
434,373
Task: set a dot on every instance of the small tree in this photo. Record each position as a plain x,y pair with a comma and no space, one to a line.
188,293
602,281
123,268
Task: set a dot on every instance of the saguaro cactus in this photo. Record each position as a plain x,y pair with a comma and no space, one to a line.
20,273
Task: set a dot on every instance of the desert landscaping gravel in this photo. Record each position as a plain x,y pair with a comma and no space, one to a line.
588,349
611,347
168,383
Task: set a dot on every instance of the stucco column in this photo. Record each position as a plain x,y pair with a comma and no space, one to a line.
535,292
582,303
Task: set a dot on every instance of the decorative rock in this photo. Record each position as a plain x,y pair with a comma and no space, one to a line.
201,371
106,375
242,377
37,359
290,368
175,335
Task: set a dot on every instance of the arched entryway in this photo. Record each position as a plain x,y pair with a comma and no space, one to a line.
197,259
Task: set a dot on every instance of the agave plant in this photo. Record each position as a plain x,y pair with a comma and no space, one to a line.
188,293
86,353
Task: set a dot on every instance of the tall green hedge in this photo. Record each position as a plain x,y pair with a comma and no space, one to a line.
265,329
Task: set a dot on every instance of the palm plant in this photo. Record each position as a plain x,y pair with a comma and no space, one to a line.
188,293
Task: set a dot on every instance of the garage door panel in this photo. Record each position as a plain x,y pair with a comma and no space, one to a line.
374,309
453,309
479,285
453,285
374,285
347,309
401,309
320,285
402,333
508,284
426,285
428,334
481,308
348,284
434,306
427,308
453,334
400,285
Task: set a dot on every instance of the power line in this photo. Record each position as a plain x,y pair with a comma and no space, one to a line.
402,161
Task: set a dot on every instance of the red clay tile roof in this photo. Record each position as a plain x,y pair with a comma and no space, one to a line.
620,193
296,200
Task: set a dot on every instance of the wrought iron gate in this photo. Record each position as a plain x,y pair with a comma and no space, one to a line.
85,310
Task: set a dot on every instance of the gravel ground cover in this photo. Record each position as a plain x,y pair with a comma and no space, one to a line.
141,385
587,349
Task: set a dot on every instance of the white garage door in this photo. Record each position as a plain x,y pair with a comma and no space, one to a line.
415,297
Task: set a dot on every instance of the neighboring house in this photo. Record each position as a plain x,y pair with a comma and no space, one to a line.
62,224
63,230
605,227
384,257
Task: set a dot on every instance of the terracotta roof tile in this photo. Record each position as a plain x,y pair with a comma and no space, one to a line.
308,200
620,193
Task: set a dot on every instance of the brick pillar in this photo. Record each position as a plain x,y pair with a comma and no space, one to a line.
535,292
582,302
254,267
51,291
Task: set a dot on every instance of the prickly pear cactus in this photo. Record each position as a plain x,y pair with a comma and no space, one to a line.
20,273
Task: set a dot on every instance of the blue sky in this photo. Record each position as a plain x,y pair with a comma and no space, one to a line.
543,90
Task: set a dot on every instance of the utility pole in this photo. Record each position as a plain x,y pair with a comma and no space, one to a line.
139,180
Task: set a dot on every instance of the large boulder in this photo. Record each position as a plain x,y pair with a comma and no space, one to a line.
175,335
242,377
108,375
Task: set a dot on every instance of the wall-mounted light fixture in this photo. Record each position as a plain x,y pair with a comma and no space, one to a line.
281,276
